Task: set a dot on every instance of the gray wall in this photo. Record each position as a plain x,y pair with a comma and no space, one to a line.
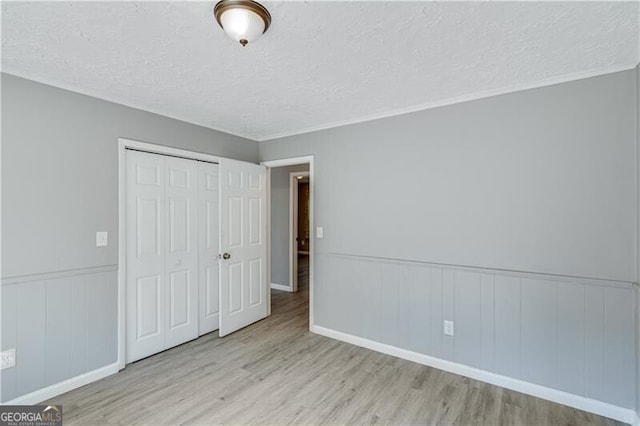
537,181
60,186
60,172
637,333
532,190
638,243
280,222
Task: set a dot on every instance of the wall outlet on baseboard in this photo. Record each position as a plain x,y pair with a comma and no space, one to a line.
448,328
8,359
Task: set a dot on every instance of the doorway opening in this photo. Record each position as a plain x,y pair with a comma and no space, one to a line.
299,231
290,227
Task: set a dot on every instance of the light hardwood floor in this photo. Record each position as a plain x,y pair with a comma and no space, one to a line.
277,372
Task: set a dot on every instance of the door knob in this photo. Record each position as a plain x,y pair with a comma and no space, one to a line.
226,256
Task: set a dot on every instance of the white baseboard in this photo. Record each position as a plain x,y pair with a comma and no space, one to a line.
576,401
281,287
65,386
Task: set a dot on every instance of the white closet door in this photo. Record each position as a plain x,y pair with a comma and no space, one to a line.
243,239
145,226
162,253
181,251
208,236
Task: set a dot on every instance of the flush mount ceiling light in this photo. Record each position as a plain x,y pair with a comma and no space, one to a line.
242,20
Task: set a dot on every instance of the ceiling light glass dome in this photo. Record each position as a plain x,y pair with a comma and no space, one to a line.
243,20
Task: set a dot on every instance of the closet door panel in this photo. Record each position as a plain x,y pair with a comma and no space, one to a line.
181,251
145,226
172,267
243,240
208,231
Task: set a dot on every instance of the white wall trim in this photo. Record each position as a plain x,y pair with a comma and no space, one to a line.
294,161
480,269
451,101
625,415
293,231
64,386
42,276
123,144
309,159
122,254
293,228
166,150
269,240
281,287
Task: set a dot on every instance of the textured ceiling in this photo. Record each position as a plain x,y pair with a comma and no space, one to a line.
321,64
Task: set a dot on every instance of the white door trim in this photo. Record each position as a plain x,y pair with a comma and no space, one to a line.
309,159
123,144
293,228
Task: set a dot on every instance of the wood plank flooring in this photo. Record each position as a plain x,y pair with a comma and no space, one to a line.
277,372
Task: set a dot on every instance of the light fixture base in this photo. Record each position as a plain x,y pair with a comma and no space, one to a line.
250,5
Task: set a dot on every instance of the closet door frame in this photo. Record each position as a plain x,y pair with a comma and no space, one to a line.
123,145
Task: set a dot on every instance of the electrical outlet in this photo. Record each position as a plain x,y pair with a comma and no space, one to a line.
8,359
448,328
319,232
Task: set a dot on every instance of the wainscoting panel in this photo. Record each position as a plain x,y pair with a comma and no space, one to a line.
538,331
418,295
9,339
58,321
570,334
31,326
435,308
467,318
619,345
594,342
571,338
62,325
487,322
506,312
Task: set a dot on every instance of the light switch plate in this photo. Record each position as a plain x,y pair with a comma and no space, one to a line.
102,239
8,359
319,232
448,328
